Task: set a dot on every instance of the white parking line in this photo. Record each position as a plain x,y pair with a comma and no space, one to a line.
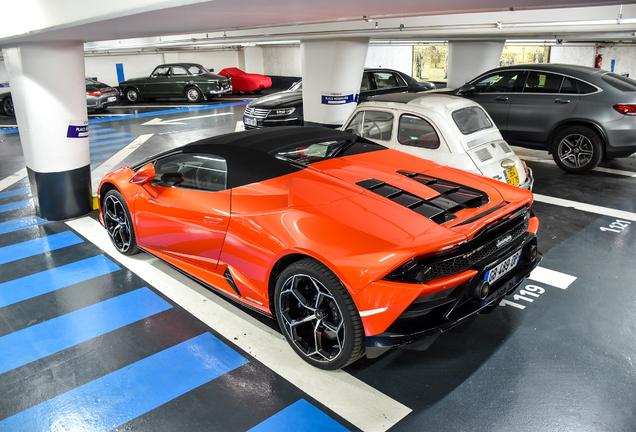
599,169
605,211
114,160
353,400
551,277
13,179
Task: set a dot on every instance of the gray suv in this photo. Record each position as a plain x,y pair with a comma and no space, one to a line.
581,115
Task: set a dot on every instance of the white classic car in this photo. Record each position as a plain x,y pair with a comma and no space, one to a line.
445,129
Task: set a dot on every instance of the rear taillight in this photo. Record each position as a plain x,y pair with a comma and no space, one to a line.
627,109
94,93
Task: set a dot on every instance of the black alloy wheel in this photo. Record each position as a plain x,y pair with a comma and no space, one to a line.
193,94
577,149
7,107
119,223
132,95
317,316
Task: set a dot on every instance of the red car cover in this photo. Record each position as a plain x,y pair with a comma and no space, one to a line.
243,81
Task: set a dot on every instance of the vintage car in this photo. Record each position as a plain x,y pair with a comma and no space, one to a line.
286,108
446,129
98,96
353,247
246,82
184,80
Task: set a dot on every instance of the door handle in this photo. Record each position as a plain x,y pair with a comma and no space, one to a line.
562,101
501,98
213,220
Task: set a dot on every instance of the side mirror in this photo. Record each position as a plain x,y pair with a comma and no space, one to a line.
466,89
145,175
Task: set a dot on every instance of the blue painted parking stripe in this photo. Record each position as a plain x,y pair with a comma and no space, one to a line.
53,279
132,391
100,130
299,417
41,340
14,192
16,205
101,156
168,111
115,141
38,246
111,135
18,224
101,149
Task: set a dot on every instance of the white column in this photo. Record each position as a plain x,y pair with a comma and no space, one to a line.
468,59
49,96
332,71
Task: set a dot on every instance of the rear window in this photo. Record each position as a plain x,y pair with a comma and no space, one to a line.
307,154
620,82
471,119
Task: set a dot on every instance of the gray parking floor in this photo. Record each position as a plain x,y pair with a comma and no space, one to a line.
91,340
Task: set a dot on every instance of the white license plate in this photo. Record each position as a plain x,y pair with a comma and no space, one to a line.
112,99
250,121
495,273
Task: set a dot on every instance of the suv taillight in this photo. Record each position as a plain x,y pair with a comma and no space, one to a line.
627,109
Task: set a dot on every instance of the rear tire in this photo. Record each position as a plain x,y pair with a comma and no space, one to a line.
317,316
6,107
577,149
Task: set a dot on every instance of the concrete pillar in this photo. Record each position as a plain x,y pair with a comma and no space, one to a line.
49,96
332,71
468,59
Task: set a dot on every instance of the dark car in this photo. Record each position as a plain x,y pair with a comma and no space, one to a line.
286,108
581,115
189,80
98,96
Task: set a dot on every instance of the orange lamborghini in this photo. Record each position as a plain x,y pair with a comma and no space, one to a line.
353,247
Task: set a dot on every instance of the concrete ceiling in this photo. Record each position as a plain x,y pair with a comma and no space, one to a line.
174,24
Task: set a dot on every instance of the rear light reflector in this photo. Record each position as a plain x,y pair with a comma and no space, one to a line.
627,109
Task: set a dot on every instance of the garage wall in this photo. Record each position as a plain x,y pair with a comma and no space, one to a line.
282,60
391,57
583,56
4,78
624,57
252,60
103,68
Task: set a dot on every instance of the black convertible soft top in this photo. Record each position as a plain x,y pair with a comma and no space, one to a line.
272,140
251,155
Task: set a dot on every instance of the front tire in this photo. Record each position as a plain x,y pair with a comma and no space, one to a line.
193,94
317,316
132,95
119,223
577,149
